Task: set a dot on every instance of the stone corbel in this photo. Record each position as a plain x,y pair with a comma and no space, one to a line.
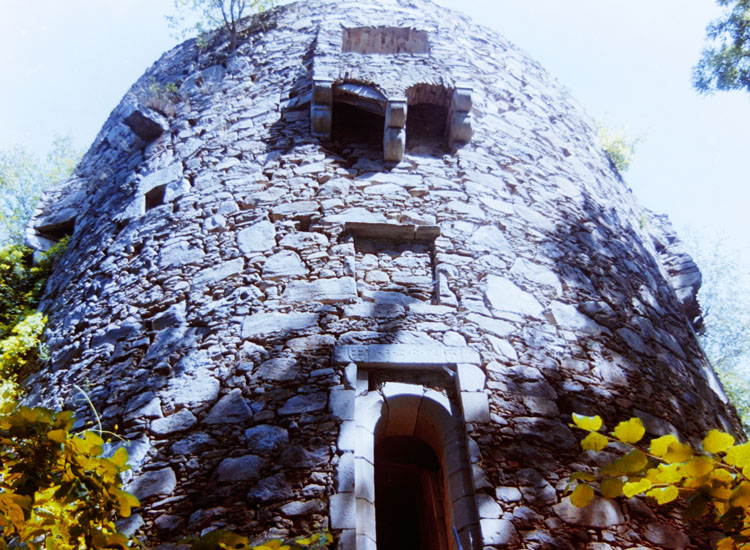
394,136
321,107
459,117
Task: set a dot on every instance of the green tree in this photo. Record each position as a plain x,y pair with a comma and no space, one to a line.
201,16
725,299
725,61
24,176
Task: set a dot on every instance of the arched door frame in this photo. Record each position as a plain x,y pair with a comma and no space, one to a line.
399,408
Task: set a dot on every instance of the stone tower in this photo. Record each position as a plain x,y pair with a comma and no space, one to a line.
357,274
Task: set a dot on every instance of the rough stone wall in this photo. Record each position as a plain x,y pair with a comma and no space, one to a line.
235,288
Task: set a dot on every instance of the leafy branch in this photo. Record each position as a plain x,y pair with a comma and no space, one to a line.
715,478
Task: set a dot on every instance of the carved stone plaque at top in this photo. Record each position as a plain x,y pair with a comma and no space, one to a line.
404,355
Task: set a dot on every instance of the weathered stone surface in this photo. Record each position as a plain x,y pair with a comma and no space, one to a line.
304,403
284,264
504,295
243,468
498,531
194,443
666,536
268,324
326,291
155,482
601,513
264,438
281,368
146,123
257,238
230,409
271,489
178,422
191,390
568,317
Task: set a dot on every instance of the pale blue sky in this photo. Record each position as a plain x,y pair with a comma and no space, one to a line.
65,65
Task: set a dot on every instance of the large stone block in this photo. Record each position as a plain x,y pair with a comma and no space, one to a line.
326,291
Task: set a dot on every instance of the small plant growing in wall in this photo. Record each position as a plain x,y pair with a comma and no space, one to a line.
162,97
714,479
618,145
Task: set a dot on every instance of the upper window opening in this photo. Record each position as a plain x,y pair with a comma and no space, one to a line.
429,106
358,115
385,40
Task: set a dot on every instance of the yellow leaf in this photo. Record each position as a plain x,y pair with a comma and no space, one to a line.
678,452
739,455
631,463
58,436
582,496
594,442
660,445
573,477
630,431
303,542
698,466
120,458
611,488
633,488
726,544
741,496
664,495
717,442
588,423
667,474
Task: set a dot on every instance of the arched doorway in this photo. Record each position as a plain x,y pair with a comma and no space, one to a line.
409,495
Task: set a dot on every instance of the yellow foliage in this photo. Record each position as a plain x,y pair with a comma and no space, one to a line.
663,495
630,431
739,455
632,488
717,442
594,442
590,423
582,496
611,487
717,478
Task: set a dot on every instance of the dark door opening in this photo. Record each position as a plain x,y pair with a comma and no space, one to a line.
409,511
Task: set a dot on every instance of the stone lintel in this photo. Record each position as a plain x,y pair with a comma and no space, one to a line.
393,231
400,356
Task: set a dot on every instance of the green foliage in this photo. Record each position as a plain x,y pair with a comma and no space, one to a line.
619,146
714,479
725,299
21,286
23,178
227,540
197,17
725,61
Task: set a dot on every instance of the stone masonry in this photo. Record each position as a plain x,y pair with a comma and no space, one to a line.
372,220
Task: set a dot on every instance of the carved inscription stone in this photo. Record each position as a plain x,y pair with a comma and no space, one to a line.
404,355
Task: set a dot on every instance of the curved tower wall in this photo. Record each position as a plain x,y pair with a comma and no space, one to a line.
282,270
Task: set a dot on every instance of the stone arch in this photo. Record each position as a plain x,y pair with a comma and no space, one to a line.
400,409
